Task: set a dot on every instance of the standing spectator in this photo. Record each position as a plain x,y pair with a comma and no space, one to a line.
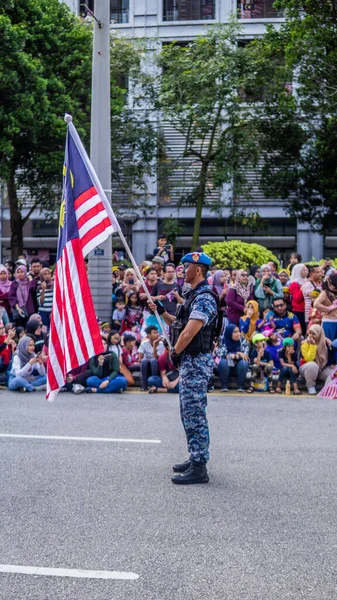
311,289
295,258
314,363
289,368
267,289
164,250
149,351
157,264
249,320
298,278
5,286
21,296
35,268
28,372
233,353
180,275
326,303
34,330
238,296
273,265
164,290
150,281
133,314
328,267
219,286
105,378
284,278
130,282
45,293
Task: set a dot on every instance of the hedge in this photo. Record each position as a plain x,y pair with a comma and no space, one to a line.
238,254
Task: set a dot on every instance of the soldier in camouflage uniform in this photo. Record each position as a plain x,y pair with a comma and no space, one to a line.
192,333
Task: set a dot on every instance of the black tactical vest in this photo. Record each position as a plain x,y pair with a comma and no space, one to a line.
203,341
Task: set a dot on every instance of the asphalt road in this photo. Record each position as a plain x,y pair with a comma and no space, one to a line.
264,528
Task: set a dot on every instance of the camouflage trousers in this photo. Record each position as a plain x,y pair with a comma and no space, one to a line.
195,373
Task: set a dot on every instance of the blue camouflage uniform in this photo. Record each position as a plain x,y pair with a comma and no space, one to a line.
195,373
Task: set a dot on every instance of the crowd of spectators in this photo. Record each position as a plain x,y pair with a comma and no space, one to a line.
278,327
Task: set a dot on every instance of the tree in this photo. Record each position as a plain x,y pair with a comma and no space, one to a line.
45,71
298,130
200,90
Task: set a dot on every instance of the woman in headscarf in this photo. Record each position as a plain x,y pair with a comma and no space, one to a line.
21,296
234,357
326,304
28,372
315,358
299,276
130,282
180,275
238,296
267,288
5,286
45,295
248,321
34,330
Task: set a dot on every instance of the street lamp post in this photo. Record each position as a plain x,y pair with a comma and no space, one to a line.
100,259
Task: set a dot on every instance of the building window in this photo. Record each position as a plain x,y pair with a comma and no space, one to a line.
119,11
258,9
189,10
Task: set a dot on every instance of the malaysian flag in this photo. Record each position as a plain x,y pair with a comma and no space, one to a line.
86,220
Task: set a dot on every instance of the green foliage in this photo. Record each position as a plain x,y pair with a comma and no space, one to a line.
321,262
238,254
298,132
172,228
199,90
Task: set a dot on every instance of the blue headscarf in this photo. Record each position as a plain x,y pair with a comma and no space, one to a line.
231,345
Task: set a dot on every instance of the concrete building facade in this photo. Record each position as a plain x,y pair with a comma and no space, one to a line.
182,20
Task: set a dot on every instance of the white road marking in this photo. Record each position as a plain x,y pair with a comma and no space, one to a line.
77,439
78,573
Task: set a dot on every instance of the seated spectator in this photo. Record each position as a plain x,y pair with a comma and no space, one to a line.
105,376
286,323
298,278
267,289
45,294
274,345
260,361
28,373
238,295
34,330
326,303
130,282
311,289
105,330
249,320
149,351
119,312
7,348
289,369
233,353
129,357
76,380
314,363
168,381
273,265
114,344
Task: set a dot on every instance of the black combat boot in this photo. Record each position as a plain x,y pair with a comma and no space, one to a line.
197,473
181,467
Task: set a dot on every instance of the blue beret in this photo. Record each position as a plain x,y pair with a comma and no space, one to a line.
197,258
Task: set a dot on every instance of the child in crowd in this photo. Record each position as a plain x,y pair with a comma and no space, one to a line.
130,353
274,345
265,325
289,368
261,362
119,313
105,330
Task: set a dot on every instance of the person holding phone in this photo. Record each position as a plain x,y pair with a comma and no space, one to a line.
164,250
267,289
130,282
105,378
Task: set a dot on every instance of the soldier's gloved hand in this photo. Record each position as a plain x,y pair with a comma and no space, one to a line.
160,308
175,358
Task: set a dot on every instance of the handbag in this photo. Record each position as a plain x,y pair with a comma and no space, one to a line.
127,374
16,314
172,375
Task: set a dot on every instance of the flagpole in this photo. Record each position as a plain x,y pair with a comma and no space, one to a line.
108,208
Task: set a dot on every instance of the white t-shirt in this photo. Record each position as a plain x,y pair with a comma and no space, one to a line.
146,348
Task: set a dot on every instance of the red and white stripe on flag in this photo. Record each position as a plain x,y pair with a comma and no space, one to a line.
74,334
94,224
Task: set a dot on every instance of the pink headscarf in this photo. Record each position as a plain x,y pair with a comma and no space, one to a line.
23,287
5,286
